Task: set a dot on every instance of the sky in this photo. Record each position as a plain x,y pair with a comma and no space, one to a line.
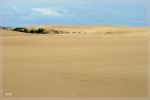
74,12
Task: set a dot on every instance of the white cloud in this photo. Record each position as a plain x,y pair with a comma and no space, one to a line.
40,11
48,11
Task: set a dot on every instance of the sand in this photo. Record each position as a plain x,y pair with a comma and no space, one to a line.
94,62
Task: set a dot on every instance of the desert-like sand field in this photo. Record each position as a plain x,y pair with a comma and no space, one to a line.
84,62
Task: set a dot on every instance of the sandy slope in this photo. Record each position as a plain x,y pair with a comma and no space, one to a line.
96,62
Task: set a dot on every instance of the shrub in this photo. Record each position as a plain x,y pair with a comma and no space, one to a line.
40,30
45,32
20,29
25,30
31,31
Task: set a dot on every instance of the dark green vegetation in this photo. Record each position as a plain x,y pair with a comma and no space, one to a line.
36,31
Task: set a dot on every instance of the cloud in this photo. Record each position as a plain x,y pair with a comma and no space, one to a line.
40,11
48,11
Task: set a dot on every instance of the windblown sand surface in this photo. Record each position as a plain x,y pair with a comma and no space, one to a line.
89,61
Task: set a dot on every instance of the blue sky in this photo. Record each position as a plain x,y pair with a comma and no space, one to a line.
75,12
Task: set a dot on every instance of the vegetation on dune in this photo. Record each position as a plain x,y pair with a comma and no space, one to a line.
40,30
36,31
20,29
54,31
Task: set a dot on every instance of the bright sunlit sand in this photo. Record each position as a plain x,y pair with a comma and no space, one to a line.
86,61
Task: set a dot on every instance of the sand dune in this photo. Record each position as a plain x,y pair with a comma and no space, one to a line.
95,61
